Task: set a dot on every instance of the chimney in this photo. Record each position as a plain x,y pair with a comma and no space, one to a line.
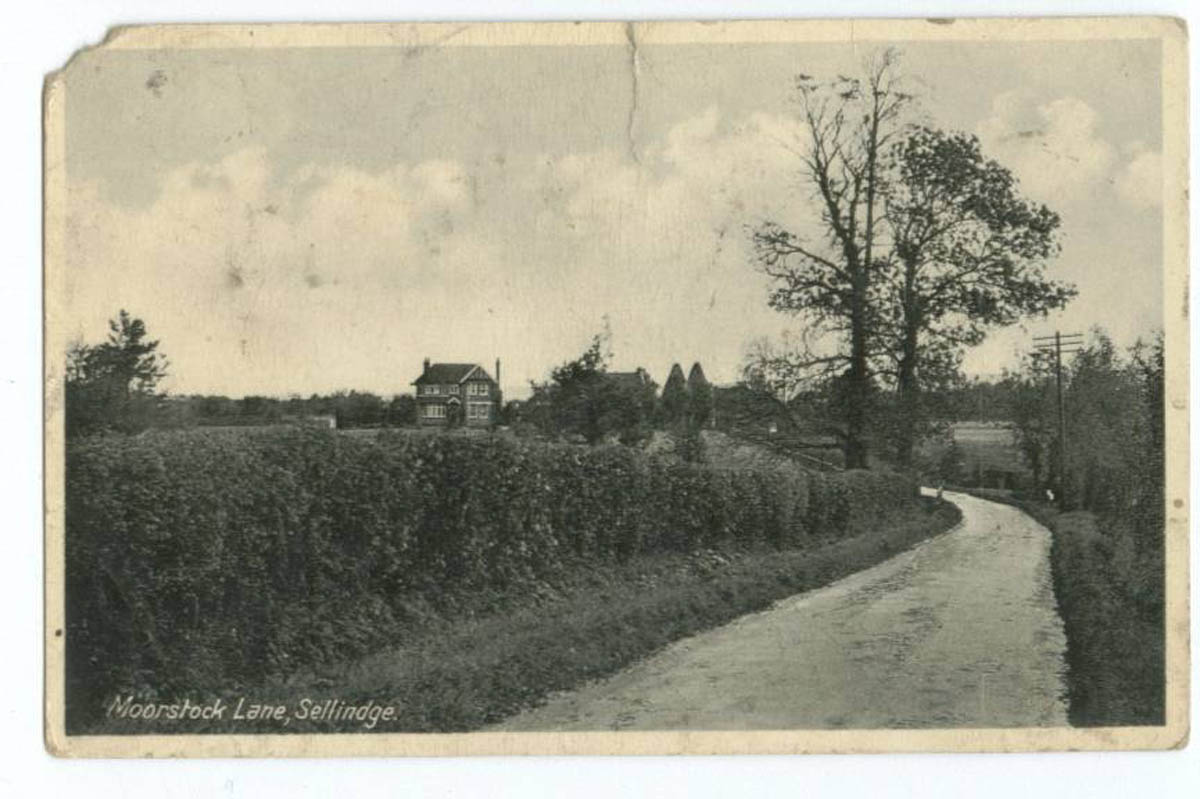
426,366
497,371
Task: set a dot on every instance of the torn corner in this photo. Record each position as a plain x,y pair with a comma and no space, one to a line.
52,84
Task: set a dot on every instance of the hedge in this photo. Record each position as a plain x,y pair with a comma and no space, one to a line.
200,561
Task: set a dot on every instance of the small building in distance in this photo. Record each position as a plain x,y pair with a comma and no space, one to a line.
448,394
639,378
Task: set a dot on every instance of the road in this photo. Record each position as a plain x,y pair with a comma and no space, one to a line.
961,631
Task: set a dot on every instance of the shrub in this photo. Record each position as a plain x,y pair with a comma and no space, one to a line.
200,561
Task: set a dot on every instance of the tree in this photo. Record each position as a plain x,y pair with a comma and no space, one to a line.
674,396
402,411
849,125
111,386
967,254
583,399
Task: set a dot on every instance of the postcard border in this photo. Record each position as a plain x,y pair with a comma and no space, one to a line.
1170,31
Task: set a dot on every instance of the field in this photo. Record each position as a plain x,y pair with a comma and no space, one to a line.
989,449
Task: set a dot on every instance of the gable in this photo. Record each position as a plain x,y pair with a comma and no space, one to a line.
445,373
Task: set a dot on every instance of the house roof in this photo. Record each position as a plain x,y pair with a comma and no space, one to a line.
443,373
638,378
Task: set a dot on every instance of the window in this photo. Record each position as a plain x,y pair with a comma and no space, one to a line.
479,410
453,389
478,389
433,411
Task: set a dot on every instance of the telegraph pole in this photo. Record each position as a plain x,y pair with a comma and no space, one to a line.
1072,342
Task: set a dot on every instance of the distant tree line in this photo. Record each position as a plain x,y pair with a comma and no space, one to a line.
114,387
347,408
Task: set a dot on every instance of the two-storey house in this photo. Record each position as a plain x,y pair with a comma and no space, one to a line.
457,393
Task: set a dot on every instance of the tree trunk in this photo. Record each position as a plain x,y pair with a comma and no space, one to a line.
907,390
858,377
908,400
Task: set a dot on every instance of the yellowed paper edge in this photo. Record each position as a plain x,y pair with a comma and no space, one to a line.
1174,734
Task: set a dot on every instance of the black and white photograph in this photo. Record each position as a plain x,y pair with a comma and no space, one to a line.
613,388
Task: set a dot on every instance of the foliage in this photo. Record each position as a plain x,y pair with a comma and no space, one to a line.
1113,407
465,671
401,411
201,560
351,409
690,445
583,399
674,396
1112,612
938,460
111,386
1112,615
1109,563
967,254
925,245
700,397
833,282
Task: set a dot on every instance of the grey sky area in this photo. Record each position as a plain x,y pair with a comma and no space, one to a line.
297,221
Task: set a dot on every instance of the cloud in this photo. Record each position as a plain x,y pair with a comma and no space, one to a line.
1053,147
319,278
260,279
1140,182
257,282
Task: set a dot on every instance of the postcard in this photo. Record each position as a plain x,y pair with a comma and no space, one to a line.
617,388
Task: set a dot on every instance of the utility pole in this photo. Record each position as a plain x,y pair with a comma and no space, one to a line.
1072,342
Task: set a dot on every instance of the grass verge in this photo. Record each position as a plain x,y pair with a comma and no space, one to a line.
1115,643
467,673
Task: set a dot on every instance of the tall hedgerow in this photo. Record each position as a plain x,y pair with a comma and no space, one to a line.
204,561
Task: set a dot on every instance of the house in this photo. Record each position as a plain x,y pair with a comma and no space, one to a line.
457,393
636,379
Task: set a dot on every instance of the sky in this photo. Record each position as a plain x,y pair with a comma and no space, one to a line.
311,220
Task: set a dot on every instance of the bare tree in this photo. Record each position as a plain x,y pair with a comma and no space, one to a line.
848,124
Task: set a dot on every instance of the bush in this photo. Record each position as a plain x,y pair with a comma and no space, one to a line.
200,561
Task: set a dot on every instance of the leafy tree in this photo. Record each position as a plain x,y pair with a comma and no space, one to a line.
362,408
1032,411
674,396
632,406
1114,418
967,254
402,411
112,386
926,246
583,399
576,394
938,459
832,283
